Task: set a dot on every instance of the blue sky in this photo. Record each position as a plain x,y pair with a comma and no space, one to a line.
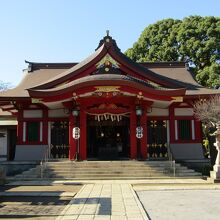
70,30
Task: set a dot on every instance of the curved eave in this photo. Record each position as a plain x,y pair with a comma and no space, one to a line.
13,98
93,81
89,65
75,70
200,96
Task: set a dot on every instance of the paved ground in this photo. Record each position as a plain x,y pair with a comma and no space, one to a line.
35,202
111,199
48,188
181,204
43,191
104,202
23,207
139,181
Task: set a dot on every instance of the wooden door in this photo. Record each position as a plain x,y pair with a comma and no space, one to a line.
157,138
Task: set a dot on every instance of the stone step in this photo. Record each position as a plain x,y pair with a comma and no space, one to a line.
110,161
117,176
112,171
109,167
104,178
113,162
107,170
81,164
119,173
102,172
114,174
89,174
144,169
70,166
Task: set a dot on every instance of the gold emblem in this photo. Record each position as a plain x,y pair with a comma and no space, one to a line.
34,101
177,98
107,88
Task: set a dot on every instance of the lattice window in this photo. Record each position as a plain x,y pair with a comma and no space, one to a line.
33,131
184,128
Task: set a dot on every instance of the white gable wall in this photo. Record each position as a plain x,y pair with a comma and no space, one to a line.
33,114
159,112
183,112
57,113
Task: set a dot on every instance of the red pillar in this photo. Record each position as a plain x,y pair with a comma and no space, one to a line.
198,131
133,139
45,126
83,136
172,124
20,127
72,141
143,140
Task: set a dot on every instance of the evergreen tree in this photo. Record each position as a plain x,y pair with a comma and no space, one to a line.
194,39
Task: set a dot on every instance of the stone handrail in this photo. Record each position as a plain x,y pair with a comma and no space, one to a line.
44,161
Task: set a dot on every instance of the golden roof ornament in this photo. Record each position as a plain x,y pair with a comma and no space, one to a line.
106,61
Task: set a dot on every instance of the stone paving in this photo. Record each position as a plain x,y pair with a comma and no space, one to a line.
163,199
104,202
181,204
23,207
35,202
140,181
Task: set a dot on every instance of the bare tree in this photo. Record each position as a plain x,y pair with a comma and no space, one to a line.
208,111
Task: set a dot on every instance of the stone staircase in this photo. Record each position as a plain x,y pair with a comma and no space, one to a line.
91,170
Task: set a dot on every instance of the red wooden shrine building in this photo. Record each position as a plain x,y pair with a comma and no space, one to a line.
124,109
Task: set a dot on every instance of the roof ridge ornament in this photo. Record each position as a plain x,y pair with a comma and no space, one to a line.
108,41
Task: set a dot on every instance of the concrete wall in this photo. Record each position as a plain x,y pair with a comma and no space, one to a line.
12,168
3,144
187,151
30,152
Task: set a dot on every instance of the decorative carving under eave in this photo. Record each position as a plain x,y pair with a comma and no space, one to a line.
107,60
107,91
107,65
108,111
35,101
107,88
177,99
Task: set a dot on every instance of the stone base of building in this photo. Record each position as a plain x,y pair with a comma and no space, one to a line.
2,176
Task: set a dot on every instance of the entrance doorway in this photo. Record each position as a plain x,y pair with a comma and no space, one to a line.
12,137
108,140
59,139
157,139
